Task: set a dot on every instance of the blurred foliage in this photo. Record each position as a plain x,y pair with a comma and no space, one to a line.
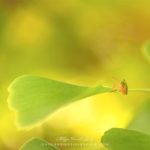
141,121
79,42
121,139
146,50
37,144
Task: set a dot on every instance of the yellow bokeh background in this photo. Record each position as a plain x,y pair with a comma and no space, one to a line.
80,42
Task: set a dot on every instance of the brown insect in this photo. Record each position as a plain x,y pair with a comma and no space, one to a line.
123,87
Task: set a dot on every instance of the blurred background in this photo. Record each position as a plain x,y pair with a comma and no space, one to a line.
77,41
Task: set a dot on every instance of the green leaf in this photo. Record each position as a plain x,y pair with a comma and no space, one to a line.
123,139
146,51
35,98
141,121
37,144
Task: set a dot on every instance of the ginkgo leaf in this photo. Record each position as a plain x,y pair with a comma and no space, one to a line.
34,98
123,139
37,144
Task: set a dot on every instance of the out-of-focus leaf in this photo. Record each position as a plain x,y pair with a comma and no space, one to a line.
37,144
35,98
141,121
146,51
123,139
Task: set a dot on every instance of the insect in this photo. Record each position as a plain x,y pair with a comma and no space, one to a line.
123,87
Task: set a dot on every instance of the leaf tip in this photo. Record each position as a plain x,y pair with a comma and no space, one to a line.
16,80
38,144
